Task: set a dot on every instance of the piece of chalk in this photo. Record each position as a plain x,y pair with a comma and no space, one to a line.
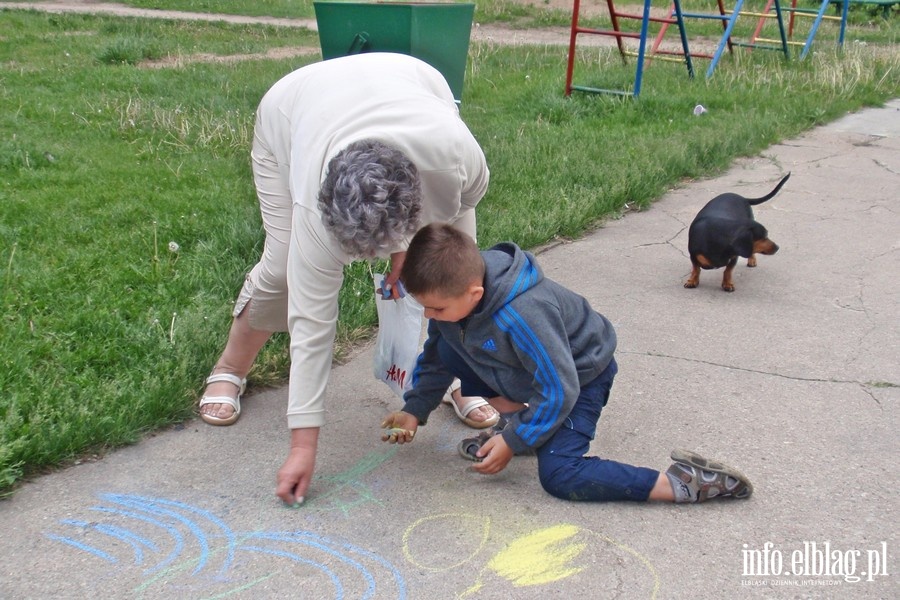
399,430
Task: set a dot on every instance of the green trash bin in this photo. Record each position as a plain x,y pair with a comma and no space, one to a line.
437,33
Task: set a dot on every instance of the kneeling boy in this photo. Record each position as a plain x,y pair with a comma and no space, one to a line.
544,359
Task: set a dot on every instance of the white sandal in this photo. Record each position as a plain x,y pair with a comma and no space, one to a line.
470,403
234,403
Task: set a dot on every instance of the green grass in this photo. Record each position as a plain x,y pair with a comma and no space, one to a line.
107,333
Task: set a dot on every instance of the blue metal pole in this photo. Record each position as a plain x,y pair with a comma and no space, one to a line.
684,41
780,18
642,48
725,37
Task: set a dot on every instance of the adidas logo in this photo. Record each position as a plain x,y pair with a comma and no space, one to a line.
489,345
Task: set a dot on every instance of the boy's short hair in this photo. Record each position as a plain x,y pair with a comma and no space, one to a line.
442,260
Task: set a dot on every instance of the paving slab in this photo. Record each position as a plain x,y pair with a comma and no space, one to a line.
793,378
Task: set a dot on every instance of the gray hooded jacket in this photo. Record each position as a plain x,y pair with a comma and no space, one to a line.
530,339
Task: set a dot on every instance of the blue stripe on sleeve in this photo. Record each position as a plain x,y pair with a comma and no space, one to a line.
526,278
546,374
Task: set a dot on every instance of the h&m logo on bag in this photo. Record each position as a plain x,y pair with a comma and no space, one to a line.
396,374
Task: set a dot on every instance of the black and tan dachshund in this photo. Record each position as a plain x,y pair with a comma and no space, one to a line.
725,229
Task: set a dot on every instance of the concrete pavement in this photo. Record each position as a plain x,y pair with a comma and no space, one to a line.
793,378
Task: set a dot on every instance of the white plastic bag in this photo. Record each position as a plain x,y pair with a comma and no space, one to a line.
397,345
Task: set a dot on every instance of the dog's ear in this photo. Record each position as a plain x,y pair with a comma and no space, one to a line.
742,244
758,231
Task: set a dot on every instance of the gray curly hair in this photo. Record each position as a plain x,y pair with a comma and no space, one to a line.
371,198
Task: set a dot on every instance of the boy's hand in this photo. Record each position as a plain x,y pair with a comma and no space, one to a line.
400,428
495,454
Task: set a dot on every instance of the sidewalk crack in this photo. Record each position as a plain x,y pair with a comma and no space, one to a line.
885,167
865,386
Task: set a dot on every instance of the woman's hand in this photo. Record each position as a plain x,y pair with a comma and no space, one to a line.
391,281
297,471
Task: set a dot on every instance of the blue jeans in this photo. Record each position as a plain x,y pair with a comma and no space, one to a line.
563,468
567,473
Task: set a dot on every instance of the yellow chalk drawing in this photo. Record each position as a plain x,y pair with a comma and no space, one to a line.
538,558
548,555
465,522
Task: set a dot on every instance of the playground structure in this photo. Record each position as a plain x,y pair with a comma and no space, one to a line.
615,16
774,10
796,14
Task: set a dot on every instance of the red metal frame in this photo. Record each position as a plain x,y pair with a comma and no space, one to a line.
618,34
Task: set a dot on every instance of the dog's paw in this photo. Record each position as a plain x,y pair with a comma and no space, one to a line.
751,262
728,287
690,284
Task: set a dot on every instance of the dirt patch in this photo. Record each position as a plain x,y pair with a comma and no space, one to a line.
272,53
110,8
592,8
494,33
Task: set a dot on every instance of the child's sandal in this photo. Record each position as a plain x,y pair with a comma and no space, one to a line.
696,479
469,447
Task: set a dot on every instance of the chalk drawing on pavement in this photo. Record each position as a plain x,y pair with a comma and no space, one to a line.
344,491
471,533
554,553
166,546
177,545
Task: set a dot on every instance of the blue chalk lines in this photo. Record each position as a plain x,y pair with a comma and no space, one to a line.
175,542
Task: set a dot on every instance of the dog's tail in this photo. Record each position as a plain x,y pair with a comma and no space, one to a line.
771,194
